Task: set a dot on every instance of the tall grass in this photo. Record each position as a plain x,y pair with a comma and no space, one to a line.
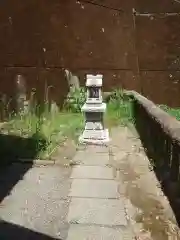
75,100
119,106
47,127
119,109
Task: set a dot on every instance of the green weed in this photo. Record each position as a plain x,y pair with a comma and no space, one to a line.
175,112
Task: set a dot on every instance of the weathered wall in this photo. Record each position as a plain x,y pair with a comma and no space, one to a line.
158,44
158,48
42,38
161,141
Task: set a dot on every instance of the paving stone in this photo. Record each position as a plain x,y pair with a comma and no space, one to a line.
96,172
97,149
94,188
92,159
37,202
80,232
109,212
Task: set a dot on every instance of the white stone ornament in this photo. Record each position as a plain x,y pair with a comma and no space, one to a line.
93,110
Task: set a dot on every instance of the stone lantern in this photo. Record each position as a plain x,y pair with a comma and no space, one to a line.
94,110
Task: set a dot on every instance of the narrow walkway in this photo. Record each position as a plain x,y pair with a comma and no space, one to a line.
118,196
96,210
100,198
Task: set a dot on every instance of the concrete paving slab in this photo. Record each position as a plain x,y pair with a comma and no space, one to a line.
50,181
38,202
94,172
92,159
97,149
80,232
94,188
109,212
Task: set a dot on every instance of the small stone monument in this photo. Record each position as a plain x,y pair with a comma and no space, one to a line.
21,98
94,109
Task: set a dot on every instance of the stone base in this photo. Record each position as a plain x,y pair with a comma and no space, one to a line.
94,107
95,136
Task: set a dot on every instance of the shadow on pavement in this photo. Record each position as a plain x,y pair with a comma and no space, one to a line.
13,148
10,231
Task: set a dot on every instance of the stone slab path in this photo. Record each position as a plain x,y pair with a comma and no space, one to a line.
96,210
103,196
37,205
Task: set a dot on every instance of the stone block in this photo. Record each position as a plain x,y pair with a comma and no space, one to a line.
92,172
79,232
108,212
94,188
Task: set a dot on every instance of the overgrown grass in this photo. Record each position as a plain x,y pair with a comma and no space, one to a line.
75,100
37,135
48,129
119,109
175,112
37,131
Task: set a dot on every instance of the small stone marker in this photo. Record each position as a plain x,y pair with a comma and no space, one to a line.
94,109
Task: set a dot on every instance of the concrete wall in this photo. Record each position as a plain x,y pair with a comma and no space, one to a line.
39,39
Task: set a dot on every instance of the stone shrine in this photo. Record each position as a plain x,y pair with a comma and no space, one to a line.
94,110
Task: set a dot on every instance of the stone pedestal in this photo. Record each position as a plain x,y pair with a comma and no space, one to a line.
94,110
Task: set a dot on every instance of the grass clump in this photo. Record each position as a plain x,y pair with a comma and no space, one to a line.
38,131
75,100
119,108
47,131
174,112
